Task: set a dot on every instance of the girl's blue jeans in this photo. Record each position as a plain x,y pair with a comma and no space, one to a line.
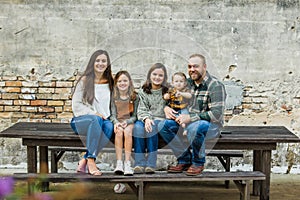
145,143
95,133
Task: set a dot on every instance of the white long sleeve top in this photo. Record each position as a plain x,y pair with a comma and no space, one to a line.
101,103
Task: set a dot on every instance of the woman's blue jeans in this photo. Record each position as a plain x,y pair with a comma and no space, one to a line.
145,143
95,133
196,137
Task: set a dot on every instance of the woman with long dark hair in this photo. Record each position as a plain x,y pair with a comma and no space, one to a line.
91,109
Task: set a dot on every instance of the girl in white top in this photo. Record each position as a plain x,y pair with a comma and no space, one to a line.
91,109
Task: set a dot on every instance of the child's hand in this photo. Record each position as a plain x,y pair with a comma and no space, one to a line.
124,124
167,96
118,129
178,94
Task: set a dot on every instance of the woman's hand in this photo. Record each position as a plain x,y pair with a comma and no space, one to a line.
148,125
170,113
100,115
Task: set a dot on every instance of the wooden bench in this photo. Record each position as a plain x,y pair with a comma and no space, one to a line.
139,182
224,156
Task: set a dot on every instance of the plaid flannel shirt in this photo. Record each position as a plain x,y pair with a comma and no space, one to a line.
209,100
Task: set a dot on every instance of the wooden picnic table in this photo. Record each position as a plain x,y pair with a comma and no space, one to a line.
260,139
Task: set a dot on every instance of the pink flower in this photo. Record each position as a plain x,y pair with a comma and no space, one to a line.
6,186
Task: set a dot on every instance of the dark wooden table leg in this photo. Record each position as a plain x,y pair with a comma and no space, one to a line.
262,162
31,165
31,159
44,168
257,157
266,169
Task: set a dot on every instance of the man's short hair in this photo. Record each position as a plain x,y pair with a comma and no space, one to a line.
200,56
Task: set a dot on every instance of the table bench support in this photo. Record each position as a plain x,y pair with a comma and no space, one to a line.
225,161
244,188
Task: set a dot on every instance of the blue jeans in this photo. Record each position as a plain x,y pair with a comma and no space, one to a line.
145,142
95,133
196,137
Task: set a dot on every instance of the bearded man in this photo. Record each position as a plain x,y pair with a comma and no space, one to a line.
205,115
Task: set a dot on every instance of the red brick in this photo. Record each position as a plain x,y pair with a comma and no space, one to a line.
38,102
13,83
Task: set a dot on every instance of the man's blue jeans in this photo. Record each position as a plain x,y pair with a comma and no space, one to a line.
196,140
95,131
145,143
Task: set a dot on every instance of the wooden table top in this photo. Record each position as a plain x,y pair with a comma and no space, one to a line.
63,131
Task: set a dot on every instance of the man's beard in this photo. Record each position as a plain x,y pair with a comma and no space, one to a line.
195,76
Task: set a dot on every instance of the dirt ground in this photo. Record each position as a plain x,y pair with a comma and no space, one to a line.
283,187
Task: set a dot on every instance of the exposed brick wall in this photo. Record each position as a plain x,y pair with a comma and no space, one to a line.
30,100
50,101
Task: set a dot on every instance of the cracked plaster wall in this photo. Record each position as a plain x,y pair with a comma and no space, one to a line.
252,45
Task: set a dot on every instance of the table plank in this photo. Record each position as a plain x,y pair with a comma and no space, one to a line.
243,134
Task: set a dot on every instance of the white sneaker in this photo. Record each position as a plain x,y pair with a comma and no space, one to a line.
119,168
127,169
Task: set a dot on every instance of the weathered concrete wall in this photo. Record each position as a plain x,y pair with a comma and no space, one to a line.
254,45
